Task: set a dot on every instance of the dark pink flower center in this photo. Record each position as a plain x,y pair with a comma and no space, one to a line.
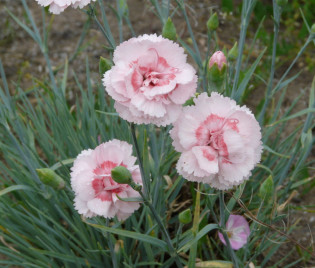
210,133
103,184
151,70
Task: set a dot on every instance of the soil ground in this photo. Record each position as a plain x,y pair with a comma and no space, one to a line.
23,62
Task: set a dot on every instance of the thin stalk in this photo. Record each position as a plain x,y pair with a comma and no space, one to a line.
105,22
276,14
120,21
111,248
205,79
222,225
195,228
135,143
276,89
212,211
179,231
173,252
93,15
246,11
191,33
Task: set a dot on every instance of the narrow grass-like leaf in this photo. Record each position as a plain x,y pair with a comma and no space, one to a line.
199,235
15,188
134,235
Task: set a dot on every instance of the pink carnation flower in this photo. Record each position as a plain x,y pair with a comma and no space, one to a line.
95,191
237,230
58,6
150,80
220,141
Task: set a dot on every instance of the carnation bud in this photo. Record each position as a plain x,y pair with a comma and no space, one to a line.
122,175
185,216
213,22
219,59
104,65
266,189
282,3
49,177
169,30
233,53
217,71
313,29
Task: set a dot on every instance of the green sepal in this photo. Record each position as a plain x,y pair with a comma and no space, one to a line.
185,216
104,65
50,178
169,30
266,189
121,174
213,22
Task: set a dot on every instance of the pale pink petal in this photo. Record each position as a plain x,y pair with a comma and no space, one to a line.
238,231
148,107
149,78
183,92
95,191
207,158
220,141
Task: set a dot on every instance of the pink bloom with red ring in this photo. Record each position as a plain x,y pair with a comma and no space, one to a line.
58,6
220,141
95,191
237,230
150,80
217,58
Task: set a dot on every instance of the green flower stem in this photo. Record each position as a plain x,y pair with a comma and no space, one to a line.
135,143
276,14
111,247
93,15
247,9
179,232
147,202
205,70
195,229
222,225
120,21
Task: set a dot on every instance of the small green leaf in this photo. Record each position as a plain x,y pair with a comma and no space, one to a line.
104,65
213,22
233,53
169,30
185,216
266,190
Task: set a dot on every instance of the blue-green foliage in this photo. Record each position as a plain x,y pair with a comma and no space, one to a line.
40,128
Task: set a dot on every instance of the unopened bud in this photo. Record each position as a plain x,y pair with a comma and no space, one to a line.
217,71
104,65
213,22
169,30
122,175
233,53
185,216
219,59
49,177
282,3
